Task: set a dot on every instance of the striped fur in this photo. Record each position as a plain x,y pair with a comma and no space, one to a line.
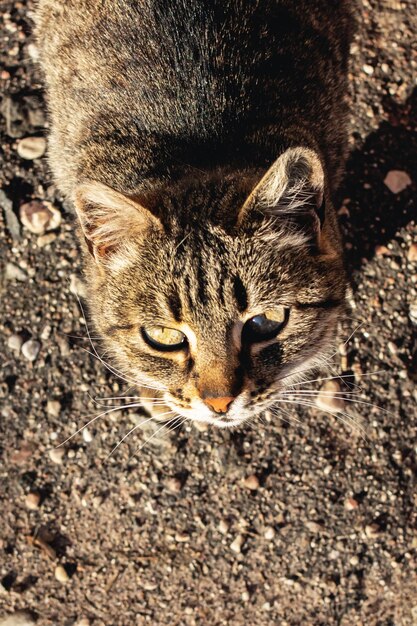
201,143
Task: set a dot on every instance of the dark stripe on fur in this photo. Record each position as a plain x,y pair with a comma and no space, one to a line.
240,294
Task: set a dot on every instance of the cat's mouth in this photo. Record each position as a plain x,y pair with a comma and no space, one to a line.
238,414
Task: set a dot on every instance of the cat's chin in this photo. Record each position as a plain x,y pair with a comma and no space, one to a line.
222,422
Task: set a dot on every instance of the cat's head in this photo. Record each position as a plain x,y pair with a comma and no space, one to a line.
215,298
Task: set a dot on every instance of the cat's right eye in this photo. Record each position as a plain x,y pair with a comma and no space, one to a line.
163,338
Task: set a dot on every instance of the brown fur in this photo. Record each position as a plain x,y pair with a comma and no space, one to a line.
197,142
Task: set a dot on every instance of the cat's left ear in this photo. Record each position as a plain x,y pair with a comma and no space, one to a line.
292,191
109,219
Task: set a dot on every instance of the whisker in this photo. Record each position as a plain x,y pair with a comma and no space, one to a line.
290,418
339,395
112,369
154,435
117,372
116,408
349,338
342,376
131,431
349,421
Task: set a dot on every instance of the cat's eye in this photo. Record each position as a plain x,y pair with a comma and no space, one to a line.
163,338
265,326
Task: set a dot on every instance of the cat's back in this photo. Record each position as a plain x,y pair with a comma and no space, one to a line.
168,76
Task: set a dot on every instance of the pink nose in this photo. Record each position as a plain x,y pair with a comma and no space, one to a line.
220,405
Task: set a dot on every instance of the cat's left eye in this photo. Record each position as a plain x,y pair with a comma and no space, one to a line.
163,338
265,326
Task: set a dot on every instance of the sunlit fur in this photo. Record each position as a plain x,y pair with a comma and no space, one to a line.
196,141
185,273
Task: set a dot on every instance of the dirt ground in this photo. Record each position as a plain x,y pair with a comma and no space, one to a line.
306,523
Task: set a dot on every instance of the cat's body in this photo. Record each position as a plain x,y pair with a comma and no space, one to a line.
166,115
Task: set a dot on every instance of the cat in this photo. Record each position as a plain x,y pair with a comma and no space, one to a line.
201,143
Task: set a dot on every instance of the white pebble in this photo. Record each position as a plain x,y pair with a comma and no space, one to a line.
237,544
368,69
397,181
223,527
413,312
39,216
61,574
53,408
15,342
45,240
57,455
30,349
13,272
31,148
328,398
351,504
174,485
251,482
33,501
87,436
269,533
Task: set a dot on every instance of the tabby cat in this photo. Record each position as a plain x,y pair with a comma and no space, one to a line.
200,142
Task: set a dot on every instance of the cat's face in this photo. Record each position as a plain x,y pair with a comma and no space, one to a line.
218,315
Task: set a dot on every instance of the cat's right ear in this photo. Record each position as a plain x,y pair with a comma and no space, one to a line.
109,219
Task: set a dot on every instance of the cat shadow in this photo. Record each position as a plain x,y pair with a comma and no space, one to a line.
370,214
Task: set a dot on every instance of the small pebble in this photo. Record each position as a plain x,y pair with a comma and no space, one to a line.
368,69
354,560
372,531
57,455
392,347
397,181
181,537
202,427
351,504
39,216
15,342
30,349
269,533
174,485
412,253
53,408
328,398
413,312
31,147
223,527
82,622
314,527
251,482
237,544
87,436
45,240
20,618
61,574
33,500
13,272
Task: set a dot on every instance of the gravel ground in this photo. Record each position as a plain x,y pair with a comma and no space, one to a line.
309,523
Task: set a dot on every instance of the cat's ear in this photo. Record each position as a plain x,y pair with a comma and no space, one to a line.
292,189
109,219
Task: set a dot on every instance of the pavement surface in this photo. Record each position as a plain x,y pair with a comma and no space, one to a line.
284,523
